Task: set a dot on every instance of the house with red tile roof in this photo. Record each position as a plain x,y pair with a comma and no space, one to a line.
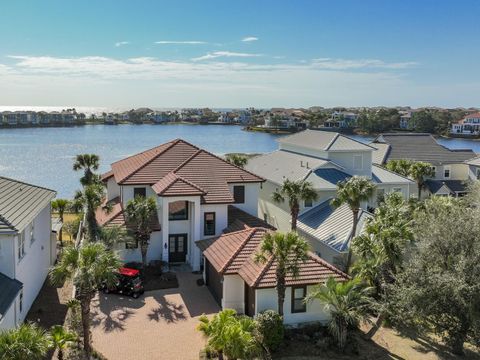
195,192
237,282
469,125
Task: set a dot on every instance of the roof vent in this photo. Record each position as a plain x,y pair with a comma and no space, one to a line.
301,163
307,165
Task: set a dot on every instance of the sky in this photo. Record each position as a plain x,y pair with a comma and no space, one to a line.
222,54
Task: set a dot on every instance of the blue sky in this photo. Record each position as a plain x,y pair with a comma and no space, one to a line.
239,53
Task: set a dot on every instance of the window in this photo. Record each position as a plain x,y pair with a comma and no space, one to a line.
32,232
308,203
434,171
298,297
239,194
20,302
178,210
357,162
209,223
446,172
21,245
139,192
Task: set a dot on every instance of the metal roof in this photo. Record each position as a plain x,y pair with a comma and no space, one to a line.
20,203
380,175
474,161
419,147
446,187
327,178
332,226
324,141
10,289
379,155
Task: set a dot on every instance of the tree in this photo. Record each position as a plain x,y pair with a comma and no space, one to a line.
60,339
139,214
237,160
230,335
401,166
112,235
353,192
88,163
348,303
381,248
423,121
294,192
27,342
60,206
89,199
438,289
71,227
418,172
287,251
89,267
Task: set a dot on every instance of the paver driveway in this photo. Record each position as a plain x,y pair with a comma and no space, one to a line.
159,325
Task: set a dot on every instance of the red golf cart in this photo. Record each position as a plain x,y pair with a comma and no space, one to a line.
129,283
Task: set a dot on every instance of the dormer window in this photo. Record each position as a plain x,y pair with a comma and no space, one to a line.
139,191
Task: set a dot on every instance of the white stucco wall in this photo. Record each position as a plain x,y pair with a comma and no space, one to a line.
7,255
457,172
221,218
32,269
127,192
154,250
233,293
113,190
266,299
251,196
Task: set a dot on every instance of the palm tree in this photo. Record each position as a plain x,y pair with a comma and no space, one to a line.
294,192
60,206
230,335
287,251
89,267
27,342
418,172
401,166
353,192
348,303
60,339
237,160
111,235
89,163
139,214
89,200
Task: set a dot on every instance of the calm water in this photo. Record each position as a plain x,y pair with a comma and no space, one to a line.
44,156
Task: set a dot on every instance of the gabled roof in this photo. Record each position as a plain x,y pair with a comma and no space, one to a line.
475,161
446,187
174,185
233,253
20,203
417,147
195,169
10,289
324,141
381,175
113,215
332,226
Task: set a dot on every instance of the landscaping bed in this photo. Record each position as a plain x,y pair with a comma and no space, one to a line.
154,278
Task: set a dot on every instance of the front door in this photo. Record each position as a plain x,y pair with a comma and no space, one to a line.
177,244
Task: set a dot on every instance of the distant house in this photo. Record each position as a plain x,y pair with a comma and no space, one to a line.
450,168
322,158
469,125
10,118
27,248
405,119
341,119
110,118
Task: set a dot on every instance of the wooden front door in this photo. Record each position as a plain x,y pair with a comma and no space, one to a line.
177,247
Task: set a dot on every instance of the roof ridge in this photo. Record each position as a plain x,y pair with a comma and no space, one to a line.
331,142
8,223
242,245
188,182
25,183
171,144
186,161
323,262
264,270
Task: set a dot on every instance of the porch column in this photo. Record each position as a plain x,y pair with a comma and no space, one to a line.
165,230
197,234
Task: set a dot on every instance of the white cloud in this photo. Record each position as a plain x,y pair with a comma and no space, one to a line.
346,64
218,54
249,39
121,43
190,42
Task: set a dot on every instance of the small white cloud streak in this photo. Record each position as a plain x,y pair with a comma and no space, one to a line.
345,64
190,42
218,54
250,39
121,43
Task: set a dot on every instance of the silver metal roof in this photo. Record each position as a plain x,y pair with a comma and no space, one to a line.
332,226
380,175
326,178
20,203
324,141
474,161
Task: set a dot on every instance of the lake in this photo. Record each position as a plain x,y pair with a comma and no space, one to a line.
44,156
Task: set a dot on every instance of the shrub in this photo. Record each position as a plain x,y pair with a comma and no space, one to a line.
270,329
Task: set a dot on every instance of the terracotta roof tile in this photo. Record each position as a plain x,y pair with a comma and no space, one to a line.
174,185
239,219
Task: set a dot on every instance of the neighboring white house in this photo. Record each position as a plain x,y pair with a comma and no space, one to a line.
237,282
322,158
469,125
341,119
451,171
194,191
27,249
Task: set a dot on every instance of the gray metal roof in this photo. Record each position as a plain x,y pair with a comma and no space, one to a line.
379,155
474,161
280,165
381,175
327,178
324,141
332,226
10,289
449,187
419,147
20,203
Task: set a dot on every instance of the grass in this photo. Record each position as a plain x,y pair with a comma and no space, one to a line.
66,218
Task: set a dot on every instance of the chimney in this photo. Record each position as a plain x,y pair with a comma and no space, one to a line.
301,163
307,165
